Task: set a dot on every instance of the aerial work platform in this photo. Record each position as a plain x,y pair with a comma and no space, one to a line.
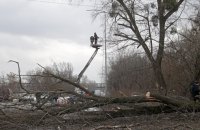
96,45
93,40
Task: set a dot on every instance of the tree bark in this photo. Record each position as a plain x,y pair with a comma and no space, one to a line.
160,79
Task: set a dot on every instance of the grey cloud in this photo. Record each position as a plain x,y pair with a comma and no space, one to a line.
16,42
27,27
46,20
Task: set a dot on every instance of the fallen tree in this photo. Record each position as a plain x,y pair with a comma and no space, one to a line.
24,115
101,101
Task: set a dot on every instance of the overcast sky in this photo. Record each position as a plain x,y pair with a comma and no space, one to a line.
34,31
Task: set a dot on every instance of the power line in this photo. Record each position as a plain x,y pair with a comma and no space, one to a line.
64,3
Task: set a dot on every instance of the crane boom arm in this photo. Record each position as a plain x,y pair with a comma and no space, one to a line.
86,66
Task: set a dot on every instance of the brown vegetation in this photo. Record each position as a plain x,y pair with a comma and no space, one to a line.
164,69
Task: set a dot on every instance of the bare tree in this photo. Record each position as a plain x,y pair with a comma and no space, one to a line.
144,24
129,74
181,62
38,80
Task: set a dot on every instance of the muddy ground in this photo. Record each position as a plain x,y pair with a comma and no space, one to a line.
170,121
164,121
96,120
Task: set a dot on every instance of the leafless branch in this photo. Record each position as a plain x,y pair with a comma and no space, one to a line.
174,9
67,81
19,74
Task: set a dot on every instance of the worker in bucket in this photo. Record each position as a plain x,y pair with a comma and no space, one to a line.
95,38
91,40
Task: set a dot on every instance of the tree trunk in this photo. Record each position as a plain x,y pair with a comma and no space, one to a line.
159,78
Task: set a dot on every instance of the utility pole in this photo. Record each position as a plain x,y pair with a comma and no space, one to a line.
106,71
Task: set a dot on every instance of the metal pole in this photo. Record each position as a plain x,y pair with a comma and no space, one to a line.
86,66
105,58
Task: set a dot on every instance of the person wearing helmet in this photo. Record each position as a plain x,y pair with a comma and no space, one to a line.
95,38
91,40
